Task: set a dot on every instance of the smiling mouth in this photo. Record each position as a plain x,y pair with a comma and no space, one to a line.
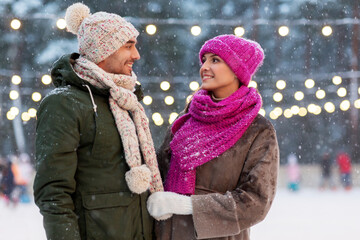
206,77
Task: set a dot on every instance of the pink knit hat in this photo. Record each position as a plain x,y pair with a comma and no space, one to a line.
100,34
243,56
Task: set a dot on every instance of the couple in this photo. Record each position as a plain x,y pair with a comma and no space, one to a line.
98,176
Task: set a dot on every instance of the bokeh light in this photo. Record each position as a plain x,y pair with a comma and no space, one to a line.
283,31
195,30
151,29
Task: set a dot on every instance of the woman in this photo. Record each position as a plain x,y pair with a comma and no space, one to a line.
220,159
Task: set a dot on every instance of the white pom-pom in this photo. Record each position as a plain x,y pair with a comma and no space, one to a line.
74,16
138,179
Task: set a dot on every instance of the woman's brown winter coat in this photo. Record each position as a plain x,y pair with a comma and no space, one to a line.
233,191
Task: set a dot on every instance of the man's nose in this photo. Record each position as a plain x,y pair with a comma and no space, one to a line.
135,54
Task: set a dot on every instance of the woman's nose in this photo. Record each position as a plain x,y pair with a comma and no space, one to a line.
204,66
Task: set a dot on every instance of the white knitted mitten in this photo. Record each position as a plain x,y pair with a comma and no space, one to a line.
162,205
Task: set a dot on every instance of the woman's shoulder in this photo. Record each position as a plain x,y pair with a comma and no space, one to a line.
261,123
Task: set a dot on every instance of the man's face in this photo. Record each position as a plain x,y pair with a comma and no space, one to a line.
122,60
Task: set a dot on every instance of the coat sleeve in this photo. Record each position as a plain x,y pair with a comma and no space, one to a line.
221,215
163,154
57,138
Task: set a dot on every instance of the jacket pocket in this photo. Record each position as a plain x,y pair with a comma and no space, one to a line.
109,216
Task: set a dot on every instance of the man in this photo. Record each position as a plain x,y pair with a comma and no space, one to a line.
90,131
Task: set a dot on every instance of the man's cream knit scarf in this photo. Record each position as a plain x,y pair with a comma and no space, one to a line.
133,130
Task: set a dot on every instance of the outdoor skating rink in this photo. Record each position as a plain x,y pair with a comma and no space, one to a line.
308,214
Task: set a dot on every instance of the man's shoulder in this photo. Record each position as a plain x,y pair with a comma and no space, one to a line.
67,92
64,95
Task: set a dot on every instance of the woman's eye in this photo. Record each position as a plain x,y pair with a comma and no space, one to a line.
215,60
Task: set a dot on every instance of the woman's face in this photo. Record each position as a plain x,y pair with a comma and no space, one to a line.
217,77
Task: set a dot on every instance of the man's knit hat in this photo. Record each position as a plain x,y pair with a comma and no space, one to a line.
100,34
243,56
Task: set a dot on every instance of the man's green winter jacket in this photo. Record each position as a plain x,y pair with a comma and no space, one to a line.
80,183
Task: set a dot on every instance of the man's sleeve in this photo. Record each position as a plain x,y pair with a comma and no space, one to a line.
57,138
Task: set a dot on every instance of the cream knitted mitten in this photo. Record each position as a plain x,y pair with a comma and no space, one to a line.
161,205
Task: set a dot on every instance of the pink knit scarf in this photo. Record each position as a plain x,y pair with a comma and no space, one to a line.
205,132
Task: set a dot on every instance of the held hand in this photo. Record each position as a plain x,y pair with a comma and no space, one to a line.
161,205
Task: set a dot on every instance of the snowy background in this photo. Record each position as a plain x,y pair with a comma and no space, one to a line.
309,214
171,55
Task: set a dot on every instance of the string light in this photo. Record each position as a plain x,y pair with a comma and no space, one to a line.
14,94
194,86
278,111
10,116
61,23
46,79
317,110
32,112
299,95
336,80
302,112
172,117
156,116
262,112
341,92
281,84
283,31
252,84
288,113
16,80
151,29
15,24
277,97
195,30
273,115
320,94
295,110
329,107
345,105
25,116
147,100
14,110
36,96
159,122
357,103
239,31
311,108
188,98
326,31
169,100
165,85
309,83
